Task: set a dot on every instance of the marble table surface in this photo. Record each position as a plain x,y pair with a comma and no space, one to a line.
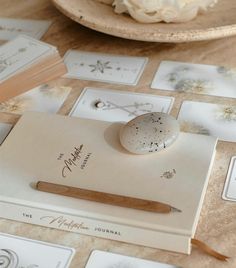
217,225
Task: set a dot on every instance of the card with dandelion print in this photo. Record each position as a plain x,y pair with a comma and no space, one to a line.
40,99
104,67
4,131
118,106
209,119
196,78
102,259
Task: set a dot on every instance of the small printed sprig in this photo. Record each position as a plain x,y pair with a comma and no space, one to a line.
226,113
169,174
4,28
194,86
227,72
100,66
192,127
16,105
54,92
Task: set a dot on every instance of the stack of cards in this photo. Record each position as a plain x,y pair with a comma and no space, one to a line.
102,259
27,63
118,106
19,252
11,28
104,67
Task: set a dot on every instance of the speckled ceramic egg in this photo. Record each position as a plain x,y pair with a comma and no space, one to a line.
149,133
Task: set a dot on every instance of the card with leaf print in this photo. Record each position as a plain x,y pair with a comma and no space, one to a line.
5,128
104,67
210,119
118,106
11,28
196,78
40,99
20,252
102,259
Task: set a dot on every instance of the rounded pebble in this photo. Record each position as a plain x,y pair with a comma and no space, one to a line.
149,133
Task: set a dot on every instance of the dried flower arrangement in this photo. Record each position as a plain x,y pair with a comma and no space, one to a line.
152,11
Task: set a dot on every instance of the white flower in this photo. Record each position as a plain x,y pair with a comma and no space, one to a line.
151,11
169,13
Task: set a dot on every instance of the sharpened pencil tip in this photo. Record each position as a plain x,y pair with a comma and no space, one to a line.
175,209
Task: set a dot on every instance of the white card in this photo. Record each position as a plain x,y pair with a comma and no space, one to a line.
102,259
4,131
229,192
40,99
104,67
118,106
11,28
19,252
210,119
19,53
196,78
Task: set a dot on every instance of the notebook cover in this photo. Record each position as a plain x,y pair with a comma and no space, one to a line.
87,154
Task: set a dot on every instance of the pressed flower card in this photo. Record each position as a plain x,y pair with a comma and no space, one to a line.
229,192
40,99
115,106
20,252
196,78
104,67
10,28
4,131
210,119
102,259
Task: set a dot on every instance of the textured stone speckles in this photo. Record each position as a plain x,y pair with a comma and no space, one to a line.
149,133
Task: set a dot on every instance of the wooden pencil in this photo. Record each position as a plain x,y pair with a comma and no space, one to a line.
106,198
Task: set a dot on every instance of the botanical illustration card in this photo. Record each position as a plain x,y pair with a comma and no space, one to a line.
4,131
11,28
229,192
102,259
209,119
104,67
19,252
19,53
114,105
196,78
40,99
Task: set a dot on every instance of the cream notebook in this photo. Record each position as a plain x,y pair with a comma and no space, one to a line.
87,154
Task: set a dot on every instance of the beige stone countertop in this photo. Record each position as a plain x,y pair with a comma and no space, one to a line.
217,225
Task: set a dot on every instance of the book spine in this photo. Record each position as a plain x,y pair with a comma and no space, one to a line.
94,227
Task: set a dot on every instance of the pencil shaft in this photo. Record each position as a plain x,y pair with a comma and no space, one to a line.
105,198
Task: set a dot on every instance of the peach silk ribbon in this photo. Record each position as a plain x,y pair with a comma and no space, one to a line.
208,250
